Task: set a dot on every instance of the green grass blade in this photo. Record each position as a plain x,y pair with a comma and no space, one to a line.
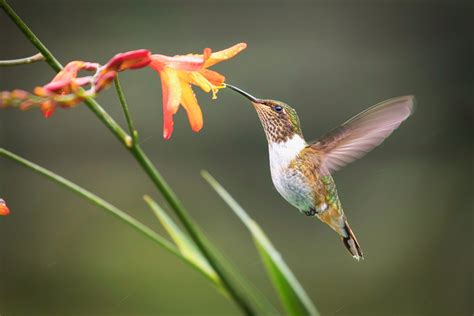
189,250
292,294
101,203
256,297
185,244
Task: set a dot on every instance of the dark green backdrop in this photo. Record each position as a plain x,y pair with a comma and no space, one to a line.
409,201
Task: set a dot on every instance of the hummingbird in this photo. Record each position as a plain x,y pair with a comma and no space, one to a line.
302,171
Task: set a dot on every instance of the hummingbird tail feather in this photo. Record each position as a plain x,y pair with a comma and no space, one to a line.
350,242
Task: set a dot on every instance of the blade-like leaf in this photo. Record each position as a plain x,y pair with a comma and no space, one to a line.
292,294
190,251
261,302
186,246
104,205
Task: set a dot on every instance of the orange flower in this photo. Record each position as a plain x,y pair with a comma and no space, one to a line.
3,208
134,59
177,75
64,83
67,89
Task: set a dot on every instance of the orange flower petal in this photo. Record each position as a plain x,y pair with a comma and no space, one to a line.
172,87
59,85
171,91
5,99
20,94
104,80
3,208
26,105
213,77
47,108
129,60
69,71
42,92
167,125
186,63
225,54
197,79
190,104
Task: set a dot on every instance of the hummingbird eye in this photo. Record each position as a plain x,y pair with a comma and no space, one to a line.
278,108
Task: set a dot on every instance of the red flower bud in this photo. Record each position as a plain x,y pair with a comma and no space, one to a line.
129,60
3,208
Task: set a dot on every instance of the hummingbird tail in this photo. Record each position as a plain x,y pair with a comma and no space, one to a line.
350,242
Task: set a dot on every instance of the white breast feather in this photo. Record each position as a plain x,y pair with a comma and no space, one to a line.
291,184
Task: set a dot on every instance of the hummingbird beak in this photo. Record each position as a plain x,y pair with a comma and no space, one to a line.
245,94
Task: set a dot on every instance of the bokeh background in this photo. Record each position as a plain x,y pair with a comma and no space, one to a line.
409,201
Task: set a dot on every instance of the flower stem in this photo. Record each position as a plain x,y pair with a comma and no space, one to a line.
192,229
126,112
108,121
53,62
94,199
108,207
22,61
146,165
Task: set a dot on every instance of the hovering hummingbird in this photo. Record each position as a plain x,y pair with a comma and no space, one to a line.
301,171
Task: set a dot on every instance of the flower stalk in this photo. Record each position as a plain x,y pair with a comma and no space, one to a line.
50,59
103,204
22,61
126,112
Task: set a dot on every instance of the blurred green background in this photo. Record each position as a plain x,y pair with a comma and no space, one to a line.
409,201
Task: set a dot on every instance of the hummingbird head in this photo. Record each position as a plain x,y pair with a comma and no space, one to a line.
279,120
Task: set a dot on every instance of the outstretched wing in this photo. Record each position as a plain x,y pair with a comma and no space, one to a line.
359,135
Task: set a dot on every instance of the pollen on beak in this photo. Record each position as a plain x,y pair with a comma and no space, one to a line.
253,99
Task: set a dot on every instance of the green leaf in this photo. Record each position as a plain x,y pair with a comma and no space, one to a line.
186,246
292,294
261,302
103,204
191,253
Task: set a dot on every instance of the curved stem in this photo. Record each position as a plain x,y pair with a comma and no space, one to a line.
22,61
126,112
108,207
146,165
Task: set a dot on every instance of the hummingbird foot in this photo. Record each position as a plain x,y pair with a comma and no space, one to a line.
319,209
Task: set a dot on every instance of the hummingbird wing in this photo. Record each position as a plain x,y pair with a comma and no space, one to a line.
362,133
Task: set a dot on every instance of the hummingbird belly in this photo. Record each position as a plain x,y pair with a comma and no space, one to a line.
289,181
293,187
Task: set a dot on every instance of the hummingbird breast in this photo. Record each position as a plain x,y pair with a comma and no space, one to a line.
289,177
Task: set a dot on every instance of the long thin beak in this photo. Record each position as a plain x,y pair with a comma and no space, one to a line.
245,94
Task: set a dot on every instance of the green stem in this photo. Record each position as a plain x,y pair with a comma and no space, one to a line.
53,62
109,122
22,61
126,112
146,165
94,199
189,225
